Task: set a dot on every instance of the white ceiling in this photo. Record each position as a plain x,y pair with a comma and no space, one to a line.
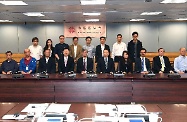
112,11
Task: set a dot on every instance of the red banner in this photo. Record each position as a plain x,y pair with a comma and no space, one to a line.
84,29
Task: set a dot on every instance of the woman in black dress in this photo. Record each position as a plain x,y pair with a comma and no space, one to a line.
125,64
49,45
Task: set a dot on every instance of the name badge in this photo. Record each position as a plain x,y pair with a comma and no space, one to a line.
27,68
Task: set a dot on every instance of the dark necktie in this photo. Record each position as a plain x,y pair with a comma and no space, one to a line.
106,63
142,64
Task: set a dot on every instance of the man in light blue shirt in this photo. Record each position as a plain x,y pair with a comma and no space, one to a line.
89,47
180,62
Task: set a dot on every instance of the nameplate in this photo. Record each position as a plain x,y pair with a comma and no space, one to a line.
91,75
149,75
174,75
17,76
43,76
118,75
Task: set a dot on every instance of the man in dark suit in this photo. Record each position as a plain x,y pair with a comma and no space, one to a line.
47,64
134,47
142,64
100,48
84,63
66,62
105,64
161,63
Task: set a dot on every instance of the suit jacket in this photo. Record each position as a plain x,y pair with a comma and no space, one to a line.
157,64
138,65
98,53
52,49
131,48
101,65
125,66
50,67
80,66
69,66
79,51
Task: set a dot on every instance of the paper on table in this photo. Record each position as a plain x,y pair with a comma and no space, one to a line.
58,108
131,109
13,117
131,119
104,108
50,119
35,107
105,119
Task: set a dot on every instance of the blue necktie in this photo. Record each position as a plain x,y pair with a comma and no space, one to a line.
142,64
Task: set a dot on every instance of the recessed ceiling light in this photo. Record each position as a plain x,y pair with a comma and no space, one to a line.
33,14
47,20
13,3
174,1
92,20
182,19
137,19
150,13
93,2
5,21
91,14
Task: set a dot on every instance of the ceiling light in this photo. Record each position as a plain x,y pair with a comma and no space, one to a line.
5,21
92,20
150,13
137,19
13,3
93,2
174,1
32,14
47,20
182,19
91,14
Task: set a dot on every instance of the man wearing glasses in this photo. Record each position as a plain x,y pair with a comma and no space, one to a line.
142,64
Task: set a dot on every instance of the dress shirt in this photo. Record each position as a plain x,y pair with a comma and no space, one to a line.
75,51
85,63
162,63
90,50
106,62
180,63
36,51
65,60
118,49
9,66
46,59
144,64
102,48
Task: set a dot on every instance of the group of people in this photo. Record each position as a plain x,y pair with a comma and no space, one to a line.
79,58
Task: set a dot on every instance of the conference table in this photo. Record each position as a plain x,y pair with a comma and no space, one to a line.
104,89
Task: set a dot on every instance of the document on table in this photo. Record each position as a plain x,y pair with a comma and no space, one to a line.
50,119
104,108
36,107
58,108
131,120
13,117
131,108
116,119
